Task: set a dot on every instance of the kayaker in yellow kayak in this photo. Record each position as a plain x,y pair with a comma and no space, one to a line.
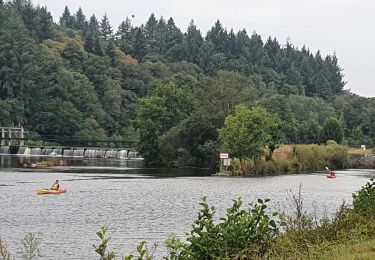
55,186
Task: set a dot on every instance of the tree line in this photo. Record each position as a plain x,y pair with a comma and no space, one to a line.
169,90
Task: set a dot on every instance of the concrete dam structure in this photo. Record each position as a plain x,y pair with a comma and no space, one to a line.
75,152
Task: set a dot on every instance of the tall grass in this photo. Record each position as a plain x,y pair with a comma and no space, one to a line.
4,252
316,157
294,159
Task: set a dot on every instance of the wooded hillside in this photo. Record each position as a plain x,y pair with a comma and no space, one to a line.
170,90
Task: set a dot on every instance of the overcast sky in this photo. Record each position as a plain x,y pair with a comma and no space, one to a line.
344,26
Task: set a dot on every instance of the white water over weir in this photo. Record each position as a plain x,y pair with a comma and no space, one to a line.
83,152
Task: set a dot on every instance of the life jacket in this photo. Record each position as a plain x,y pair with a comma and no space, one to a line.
55,186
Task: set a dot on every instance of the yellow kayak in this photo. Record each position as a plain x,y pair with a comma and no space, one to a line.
46,191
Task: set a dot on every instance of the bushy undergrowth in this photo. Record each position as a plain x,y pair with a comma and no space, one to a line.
302,158
316,157
252,234
240,234
364,200
307,237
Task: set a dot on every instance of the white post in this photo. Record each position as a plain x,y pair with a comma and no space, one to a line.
2,136
10,137
22,141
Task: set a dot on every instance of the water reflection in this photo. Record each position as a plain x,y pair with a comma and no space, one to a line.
42,162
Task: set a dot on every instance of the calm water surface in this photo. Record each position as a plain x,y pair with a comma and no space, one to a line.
140,204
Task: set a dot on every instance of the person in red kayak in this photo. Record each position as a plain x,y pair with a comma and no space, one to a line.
332,173
55,186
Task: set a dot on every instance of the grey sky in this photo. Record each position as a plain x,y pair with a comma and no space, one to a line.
344,26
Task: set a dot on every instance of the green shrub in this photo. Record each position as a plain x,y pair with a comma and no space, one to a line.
240,232
101,249
242,167
331,142
364,199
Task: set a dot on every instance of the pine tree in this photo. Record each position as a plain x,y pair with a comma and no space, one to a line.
334,74
192,43
139,50
105,28
28,13
93,25
111,52
124,30
255,53
66,19
173,40
80,22
44,28
218,36
272,48
124,36
160,35
293,77
150,33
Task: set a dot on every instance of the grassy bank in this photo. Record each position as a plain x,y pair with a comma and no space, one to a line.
293,159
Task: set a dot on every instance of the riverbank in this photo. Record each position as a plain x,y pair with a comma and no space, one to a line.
290,159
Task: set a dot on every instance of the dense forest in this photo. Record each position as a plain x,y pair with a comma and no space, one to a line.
167,89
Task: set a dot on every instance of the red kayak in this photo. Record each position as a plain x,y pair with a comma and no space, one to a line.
46,191
331,176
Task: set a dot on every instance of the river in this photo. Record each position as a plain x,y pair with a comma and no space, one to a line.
140,204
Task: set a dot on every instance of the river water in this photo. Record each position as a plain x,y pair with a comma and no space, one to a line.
140,204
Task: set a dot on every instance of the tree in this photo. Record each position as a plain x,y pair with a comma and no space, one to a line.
80,22
19,58
221,94
310,130
279,106
93,25
192,42
57,117
332,130
44,28
150,33
246,133
105,28
139,47
218,36
90,129
66,19
150,123
124,36
173,40
74,56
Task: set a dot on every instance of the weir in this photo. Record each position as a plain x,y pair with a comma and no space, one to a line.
79,152
13,142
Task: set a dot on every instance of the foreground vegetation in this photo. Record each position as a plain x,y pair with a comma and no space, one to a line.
253,232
